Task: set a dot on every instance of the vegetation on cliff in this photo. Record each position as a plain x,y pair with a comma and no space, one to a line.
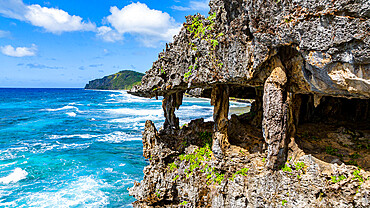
123,80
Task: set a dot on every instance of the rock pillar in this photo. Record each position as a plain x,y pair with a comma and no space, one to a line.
220,101
275,116
169,104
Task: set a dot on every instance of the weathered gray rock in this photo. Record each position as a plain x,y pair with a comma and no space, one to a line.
220,101
307,182
275,119
324,45
307,66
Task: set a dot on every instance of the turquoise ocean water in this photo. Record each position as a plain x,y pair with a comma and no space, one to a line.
75,147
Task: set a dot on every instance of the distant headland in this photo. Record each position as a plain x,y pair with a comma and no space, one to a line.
123,80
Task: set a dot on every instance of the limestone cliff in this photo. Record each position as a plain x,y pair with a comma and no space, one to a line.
305,143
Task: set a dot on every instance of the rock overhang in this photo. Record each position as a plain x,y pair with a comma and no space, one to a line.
324,47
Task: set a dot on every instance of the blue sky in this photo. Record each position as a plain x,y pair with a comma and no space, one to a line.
66,43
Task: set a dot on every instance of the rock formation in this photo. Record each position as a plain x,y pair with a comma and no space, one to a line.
307,66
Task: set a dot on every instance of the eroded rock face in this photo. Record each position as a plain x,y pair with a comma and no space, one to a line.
322,48
324,45
301,61
239,179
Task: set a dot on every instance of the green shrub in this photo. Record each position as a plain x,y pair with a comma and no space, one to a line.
357,176
331,151
284,202
198,30
172,166
286,168
184,203
336,179
299,166
242,172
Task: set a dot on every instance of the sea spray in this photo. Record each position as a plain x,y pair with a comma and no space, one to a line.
17,175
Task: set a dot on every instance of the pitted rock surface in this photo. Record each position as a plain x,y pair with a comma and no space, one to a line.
306,64
324,45
309,186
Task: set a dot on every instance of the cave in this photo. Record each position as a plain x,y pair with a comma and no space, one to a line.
337,130
334,130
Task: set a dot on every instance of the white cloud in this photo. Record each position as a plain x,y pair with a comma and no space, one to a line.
194,6
108,34
56,20
147,25
150,26
52,20
4,34
13,9
19,51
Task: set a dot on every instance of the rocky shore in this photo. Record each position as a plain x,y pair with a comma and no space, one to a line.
184,173
304,143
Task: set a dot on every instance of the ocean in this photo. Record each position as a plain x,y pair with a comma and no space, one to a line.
76,147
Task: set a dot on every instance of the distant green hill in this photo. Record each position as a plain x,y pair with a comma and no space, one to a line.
123,80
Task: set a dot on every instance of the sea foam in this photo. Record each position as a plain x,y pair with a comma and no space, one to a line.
62,108
118,137
85,192
17,175
82,136
72,114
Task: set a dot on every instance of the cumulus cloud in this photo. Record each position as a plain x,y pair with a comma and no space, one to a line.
108,34
19,51
194,6
51,19
56,20
149,25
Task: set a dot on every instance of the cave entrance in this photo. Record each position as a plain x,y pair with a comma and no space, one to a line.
336,130
245,129
241,99
244,114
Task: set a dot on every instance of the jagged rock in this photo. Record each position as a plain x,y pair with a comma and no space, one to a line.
323,48
306,64
169,104
307,182
324,45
